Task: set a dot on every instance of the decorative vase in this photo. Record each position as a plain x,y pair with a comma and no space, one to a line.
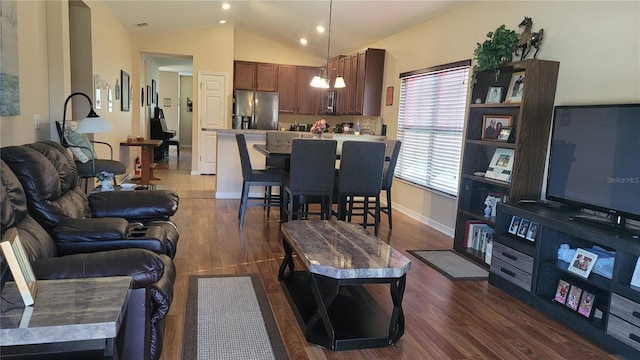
106,185
487,211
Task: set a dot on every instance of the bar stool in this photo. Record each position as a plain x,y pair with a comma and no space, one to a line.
391,159
311,174
268,178
360,175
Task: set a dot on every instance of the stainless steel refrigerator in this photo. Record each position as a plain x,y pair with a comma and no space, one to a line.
256,110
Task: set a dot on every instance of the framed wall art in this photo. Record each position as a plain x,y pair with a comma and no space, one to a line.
125,103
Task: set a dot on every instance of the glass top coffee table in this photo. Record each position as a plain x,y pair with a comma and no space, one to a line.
333,308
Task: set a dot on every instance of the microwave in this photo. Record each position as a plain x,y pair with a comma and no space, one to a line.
329,102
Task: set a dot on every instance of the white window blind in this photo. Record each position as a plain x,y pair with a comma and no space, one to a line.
430,125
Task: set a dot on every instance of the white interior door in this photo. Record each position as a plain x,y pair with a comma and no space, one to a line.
212,113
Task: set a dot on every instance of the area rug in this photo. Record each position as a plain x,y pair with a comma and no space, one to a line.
451,265
229,318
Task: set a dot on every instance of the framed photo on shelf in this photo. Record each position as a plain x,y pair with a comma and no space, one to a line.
20,266
561,292
533,230
501,165
582,263
515,224
635,279
514,95
494,95
586,304
524,227
573,298
492,125
506,134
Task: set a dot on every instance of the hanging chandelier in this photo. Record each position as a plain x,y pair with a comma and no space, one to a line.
323,80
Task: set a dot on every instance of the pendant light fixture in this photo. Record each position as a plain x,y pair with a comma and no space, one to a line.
322,81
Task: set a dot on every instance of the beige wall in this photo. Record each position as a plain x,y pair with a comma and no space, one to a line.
186,117
596,42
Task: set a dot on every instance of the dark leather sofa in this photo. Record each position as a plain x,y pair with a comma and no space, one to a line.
153,274
98,222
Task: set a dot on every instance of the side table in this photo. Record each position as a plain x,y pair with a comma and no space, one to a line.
146,158
71,315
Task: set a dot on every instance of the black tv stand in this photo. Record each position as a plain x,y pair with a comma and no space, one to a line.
531,271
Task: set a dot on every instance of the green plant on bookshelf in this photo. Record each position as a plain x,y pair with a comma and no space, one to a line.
496,51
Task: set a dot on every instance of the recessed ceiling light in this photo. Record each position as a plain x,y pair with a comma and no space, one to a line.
226,6
222,22
320,28
142,24
303,41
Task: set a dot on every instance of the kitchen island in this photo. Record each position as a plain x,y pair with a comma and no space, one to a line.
229,172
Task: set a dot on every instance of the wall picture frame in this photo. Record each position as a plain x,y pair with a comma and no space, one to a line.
125,100
19,266
582,263
516,87
148,95
494,95
154,89
492,125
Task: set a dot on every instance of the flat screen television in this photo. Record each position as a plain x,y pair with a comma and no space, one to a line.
594,161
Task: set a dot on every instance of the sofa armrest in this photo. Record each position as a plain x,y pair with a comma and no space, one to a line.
145,267
74,236
132,205
74,230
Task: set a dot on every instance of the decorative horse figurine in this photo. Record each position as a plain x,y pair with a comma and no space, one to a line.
528,39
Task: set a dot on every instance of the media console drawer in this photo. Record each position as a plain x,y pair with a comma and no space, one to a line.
512,257
511,273
626,309
626,332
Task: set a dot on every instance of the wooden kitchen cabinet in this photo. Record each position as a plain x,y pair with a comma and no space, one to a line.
255,76
363,73
296,95
287,81
306,100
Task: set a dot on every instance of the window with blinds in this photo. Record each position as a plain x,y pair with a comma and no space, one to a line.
430,125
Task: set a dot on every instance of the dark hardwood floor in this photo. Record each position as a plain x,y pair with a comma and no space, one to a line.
444,319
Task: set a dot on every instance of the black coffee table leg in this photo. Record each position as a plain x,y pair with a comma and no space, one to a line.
396,325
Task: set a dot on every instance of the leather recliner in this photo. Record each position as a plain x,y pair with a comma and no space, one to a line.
152,274
100,221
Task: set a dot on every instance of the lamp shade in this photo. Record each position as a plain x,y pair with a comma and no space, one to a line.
92,124
339,84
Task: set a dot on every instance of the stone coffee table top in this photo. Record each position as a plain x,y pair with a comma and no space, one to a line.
342,250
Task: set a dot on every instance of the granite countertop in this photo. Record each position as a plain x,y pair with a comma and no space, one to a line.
304,134
342,250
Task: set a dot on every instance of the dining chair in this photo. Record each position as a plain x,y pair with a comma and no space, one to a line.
250,177
360,175
391,159
311,174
